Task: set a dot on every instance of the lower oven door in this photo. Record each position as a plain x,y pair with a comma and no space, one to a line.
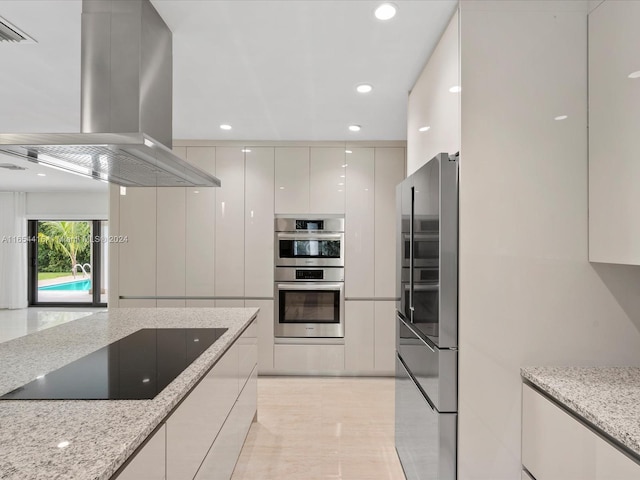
309,309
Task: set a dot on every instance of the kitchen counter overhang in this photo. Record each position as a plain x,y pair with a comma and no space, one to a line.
101,434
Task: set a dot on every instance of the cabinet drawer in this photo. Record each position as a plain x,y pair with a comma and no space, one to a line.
309,359
248,351
556,446
192,428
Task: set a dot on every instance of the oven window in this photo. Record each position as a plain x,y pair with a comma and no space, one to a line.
309,306
309,248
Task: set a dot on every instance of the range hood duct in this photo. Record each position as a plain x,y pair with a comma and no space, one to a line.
126,101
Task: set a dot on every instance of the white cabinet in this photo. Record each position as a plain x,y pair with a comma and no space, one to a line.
614,122
370,337
359,336
229,231
384,337
149,462
292,180
137,256
308,359
200,231
359,220
170,244
555,446
389,172
258,223
265,334
192,428
327,180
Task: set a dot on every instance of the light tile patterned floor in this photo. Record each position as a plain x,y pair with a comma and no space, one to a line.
322,428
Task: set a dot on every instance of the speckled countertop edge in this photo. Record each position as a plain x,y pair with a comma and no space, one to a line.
607,397
102,434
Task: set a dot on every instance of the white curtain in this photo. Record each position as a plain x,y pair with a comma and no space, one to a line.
13,250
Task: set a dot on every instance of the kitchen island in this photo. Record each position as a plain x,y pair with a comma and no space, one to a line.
93,439
581,422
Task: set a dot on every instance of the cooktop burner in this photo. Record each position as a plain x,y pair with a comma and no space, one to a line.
136,367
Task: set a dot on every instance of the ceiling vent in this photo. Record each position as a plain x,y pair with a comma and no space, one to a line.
11,33
11,166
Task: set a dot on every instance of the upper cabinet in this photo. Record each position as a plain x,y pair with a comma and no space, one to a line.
614,123
327,180
292,180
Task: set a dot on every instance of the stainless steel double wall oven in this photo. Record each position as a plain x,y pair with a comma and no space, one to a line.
309,276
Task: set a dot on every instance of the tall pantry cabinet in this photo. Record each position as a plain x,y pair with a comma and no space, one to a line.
215,247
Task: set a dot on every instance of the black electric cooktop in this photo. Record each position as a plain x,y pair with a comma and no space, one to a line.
136,367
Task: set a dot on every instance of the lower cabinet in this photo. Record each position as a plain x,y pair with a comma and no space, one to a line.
556,446
308,359
203,437
149,463
370,337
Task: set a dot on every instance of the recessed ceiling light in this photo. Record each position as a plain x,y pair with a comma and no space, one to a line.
455,89
561,117
424,129
224,126
634,74
42,174
364,88
246,150
354,128
348,151
386,11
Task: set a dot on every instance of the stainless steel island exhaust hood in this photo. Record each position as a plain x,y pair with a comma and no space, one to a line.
126,104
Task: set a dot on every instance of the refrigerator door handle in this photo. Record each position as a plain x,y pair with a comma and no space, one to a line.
416,335
411,260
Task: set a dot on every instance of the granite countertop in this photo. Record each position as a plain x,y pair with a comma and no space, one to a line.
102,434
607,397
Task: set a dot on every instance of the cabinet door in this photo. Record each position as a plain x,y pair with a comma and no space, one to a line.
292,180
149,462
358,336
258,223
359,220
137,261
327,180
229,268
171,245
614,122
193,426
200,230
385,337
265,334
248,352
308,359
390,168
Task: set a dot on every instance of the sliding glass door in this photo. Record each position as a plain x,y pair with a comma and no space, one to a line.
67,261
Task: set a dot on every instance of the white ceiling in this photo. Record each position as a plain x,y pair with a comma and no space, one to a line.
274,70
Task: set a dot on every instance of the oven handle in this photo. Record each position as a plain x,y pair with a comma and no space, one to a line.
310,236
310,286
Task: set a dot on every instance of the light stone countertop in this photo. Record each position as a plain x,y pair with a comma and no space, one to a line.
607,397
102,434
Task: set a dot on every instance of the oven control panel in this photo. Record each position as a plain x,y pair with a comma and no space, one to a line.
309,274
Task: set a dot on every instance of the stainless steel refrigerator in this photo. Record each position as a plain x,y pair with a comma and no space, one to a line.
427,321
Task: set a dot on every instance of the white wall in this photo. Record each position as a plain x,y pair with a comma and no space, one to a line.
528,295
68,206
432,104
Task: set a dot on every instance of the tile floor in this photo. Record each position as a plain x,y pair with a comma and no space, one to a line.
16,323
322,428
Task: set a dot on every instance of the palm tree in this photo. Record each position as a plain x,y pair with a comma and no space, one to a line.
69,238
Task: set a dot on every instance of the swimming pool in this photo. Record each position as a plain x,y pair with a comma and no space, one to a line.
77,285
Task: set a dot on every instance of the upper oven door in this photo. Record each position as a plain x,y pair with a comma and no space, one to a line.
309,249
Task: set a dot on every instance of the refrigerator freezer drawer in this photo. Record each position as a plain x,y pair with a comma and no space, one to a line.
435,370
425,439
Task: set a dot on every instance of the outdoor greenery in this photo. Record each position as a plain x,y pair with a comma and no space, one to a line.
61,245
